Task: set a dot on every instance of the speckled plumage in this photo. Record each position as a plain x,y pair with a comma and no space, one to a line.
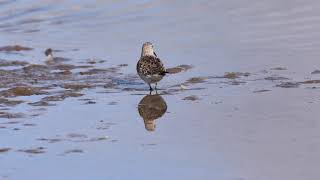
149,67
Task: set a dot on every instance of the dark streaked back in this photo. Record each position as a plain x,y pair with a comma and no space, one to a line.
150,65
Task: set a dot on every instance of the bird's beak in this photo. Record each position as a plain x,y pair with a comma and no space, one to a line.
155,54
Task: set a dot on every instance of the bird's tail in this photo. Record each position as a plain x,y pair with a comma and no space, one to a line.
164,73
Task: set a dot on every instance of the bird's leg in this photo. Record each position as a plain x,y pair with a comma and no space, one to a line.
155,87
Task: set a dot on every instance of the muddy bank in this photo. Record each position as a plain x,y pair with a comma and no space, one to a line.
14,48
57,82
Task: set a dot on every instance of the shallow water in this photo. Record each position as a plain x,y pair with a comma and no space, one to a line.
244,108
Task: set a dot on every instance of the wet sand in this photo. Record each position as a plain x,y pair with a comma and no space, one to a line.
240,101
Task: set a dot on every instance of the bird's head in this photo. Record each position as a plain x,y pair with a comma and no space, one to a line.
48,52
148,49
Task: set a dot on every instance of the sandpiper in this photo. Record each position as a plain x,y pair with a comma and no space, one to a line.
49,55
53,60
150,67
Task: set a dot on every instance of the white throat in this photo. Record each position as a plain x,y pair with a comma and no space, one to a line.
50,57
147,52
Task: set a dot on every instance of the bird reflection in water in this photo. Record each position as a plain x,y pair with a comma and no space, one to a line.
150,108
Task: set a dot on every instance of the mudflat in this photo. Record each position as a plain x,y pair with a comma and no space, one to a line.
240,101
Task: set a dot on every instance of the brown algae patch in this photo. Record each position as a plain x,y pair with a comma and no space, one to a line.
4,150
32,68
11,122
104,125
15,48
62,96
100,71
90,102
261,91
37,79
8,102
63,72
52,140
234,75
76,135
132,89
11,115
236,83
38,150
29,124
278,68
191,98
288,85
22,91
41,103
95,61
276,78
65,67
196,80
91,61
311,82
178,69
77,86
113,103
4,63
102,138
110,85
315,72
123,65
73,151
